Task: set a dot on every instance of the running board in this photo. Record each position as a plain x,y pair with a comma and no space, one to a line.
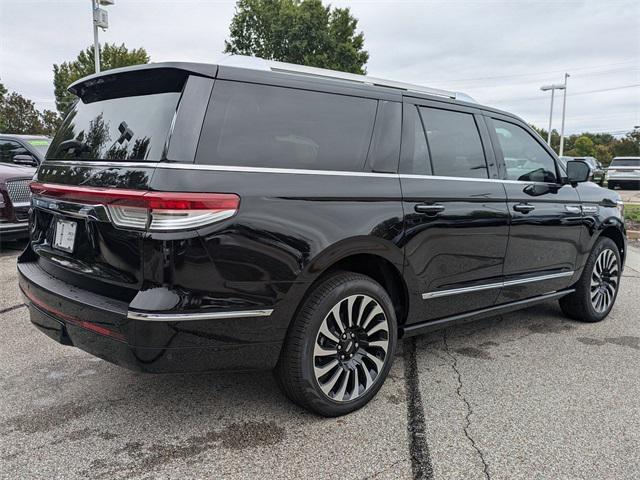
430,325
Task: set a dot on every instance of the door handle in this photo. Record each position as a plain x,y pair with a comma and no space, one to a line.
523,207
429,209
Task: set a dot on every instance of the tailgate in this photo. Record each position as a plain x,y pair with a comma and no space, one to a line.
79,236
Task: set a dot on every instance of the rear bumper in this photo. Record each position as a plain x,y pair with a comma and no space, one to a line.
104,327
13,231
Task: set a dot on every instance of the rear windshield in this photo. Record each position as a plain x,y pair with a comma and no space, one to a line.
128,128
626,162
266,126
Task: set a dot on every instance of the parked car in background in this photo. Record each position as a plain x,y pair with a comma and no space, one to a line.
302,220
28,150
624,172
597,171
15,200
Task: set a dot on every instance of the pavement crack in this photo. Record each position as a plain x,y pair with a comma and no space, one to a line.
467,426
10,309
383,470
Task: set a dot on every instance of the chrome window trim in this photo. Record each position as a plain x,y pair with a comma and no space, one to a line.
187,317
488,286
289,171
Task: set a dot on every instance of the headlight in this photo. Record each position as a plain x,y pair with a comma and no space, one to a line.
620,207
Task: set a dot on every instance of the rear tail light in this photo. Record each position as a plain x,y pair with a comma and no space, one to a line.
152,211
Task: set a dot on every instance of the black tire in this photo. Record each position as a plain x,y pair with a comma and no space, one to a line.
296,371
579,304
612,185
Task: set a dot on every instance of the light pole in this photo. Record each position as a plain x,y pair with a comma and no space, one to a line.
553,89
564,107
100,19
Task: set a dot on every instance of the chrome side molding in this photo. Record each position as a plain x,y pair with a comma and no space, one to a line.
489,286
188,317
283,171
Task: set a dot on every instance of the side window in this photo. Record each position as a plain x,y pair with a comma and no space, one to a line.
8,149
525,159
264,126
454,143
415,154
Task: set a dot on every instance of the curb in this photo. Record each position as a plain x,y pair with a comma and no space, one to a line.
633,259
633,234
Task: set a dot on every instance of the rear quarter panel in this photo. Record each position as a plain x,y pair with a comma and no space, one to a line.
288,230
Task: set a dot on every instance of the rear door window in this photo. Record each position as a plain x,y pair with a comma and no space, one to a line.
265,126
454,143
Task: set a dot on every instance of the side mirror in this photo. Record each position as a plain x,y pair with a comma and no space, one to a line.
577,171
25,160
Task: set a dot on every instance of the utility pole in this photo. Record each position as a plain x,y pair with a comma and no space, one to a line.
100,19
553,89
564,108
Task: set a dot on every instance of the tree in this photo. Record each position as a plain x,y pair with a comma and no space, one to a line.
584,146
603,154
298,31
3,91
19,115
50,122
111,56
629,145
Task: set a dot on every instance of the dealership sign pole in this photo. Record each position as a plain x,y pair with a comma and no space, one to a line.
100,19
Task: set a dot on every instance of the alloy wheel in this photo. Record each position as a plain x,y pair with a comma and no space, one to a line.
604,280
350,349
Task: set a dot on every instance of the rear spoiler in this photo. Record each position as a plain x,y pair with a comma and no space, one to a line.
166,73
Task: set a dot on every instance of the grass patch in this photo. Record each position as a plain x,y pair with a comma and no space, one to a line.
632,212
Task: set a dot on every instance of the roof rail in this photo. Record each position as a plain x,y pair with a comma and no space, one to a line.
256,63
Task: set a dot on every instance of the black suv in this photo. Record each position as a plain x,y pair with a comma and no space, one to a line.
199,217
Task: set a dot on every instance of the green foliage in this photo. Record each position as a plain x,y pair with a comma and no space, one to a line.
111,56
602,146
3,91
632,212
19,115
298,31
584,146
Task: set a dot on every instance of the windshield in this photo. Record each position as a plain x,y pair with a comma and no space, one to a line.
123,128
625,162
41,146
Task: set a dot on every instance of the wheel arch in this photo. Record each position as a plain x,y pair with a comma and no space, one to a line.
615,233
375,257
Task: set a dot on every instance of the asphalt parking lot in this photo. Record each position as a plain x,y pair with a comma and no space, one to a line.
524,395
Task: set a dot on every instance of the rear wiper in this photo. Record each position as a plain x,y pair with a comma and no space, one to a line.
73,146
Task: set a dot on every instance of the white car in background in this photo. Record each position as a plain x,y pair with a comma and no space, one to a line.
624,172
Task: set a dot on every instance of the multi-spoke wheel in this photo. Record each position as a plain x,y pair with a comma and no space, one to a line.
604,280
351,347
340,347
597,288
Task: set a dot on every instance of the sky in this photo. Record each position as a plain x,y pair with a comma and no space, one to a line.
499,52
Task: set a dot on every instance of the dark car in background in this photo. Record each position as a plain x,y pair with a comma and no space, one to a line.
624,172
193,217
15,198
597,171
28,150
